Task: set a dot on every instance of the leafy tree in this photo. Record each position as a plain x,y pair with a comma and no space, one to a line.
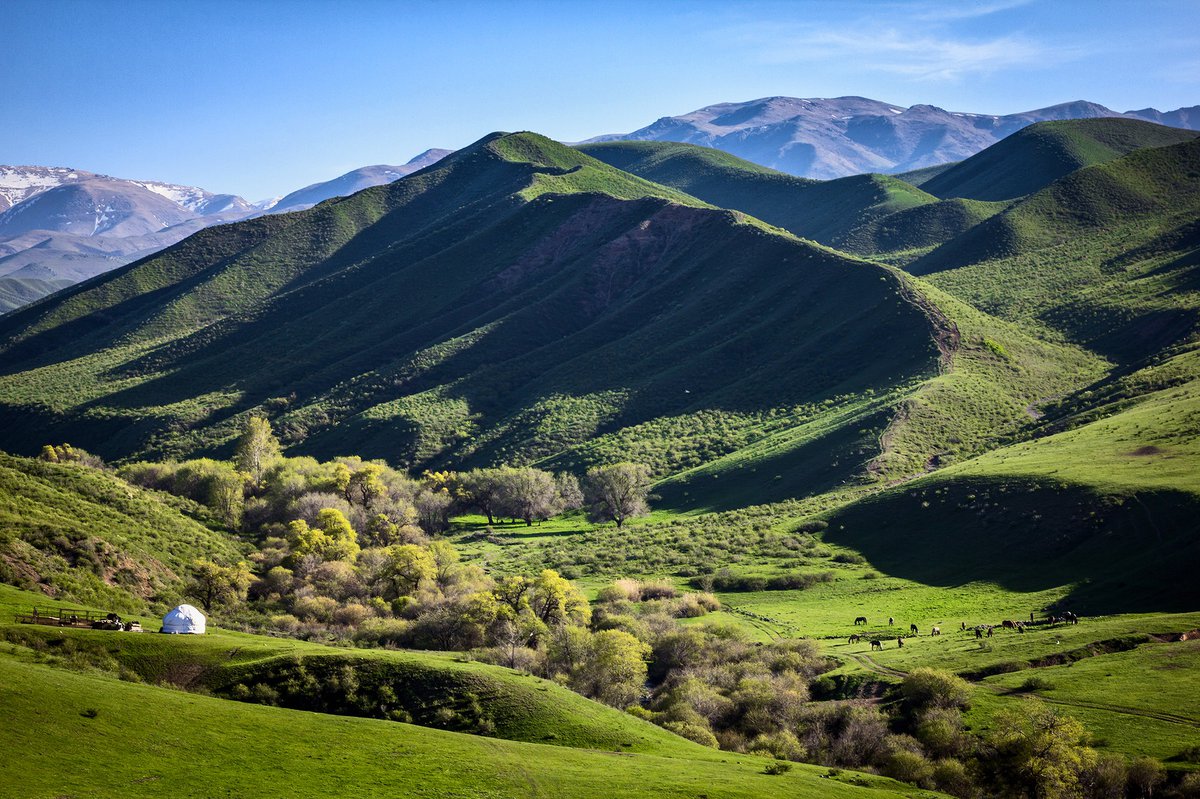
365,486
614,669
257,448
433,509
213,584
618,492
555,600
411,565
1034,752
482,490
445,561
528,494
330,538
925,688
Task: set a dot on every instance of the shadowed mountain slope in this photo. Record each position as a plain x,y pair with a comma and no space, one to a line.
824,211
1040,154
509,303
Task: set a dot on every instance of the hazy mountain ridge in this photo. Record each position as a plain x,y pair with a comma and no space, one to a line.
829,138
60,225
355,180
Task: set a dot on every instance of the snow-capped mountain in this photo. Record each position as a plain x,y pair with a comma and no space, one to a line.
833,137
60,225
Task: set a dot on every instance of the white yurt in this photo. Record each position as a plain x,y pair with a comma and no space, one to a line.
184,620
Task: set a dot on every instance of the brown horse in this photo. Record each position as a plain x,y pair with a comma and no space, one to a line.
854,639
912,628
860,620
877,644
1009,624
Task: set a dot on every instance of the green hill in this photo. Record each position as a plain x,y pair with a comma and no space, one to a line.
512,303
824,211
77,530
93,736
1036,156
1105,257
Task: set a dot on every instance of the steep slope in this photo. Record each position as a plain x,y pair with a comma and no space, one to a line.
355,180
824,211
1042,153
511,303
834,137
1105,256
18,291
1104,500
77,530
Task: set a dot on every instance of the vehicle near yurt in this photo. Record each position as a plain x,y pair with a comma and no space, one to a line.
184,620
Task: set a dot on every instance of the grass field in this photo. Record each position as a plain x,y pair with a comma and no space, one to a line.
84,734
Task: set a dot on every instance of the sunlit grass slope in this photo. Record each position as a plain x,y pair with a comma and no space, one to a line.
80,733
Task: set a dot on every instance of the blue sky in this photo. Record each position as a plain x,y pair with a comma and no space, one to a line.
259,97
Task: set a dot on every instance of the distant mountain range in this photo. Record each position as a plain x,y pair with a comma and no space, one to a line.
354,181
60,225
828,138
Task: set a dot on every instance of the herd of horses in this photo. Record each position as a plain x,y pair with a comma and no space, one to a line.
981,630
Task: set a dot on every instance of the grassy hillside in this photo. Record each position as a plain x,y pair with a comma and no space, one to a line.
1105,257
824,211
239,749
514,302
77,530
1040,154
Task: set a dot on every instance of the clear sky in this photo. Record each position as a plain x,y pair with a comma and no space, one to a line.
259,97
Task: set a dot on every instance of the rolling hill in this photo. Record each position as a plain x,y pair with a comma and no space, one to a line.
1036,156
510,303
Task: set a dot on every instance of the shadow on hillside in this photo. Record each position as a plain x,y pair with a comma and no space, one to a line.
1121,553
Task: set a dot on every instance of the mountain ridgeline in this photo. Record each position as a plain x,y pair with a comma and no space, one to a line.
517,301
524,302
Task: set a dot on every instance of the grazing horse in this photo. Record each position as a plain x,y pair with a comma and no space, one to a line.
854,639
989,631
877,644
912,628
860,620
1020,627
936,631
964,626
1009,624
891,621
978,632
900,641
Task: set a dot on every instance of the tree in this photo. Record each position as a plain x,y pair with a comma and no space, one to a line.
257,448
528,494
411,565
331,537
213,584
482,490
1034,752
365,485
555,600
570,495
614,669
445,561
926,688
618,492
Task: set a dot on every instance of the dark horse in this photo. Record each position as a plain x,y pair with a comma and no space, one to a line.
876,644
912,628
861,620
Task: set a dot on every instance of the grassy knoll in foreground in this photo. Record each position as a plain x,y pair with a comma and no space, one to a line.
79,733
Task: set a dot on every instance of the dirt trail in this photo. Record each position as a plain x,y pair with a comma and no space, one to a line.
870,664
